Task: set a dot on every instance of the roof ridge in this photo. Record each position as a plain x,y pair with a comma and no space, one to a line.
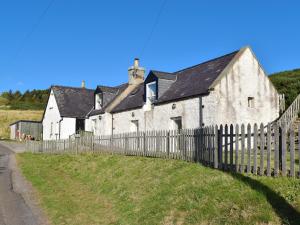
62,86
190,67
160,71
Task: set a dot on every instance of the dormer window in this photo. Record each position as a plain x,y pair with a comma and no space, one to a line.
98,101
151,92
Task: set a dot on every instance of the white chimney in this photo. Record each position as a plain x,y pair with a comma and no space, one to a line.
83,84
136,73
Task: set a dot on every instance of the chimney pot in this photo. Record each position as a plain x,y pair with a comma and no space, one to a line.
136,63
83,84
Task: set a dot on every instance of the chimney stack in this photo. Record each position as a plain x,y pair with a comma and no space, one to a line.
83,84
136,73
136,63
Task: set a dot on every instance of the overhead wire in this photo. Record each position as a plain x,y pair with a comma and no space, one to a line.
153,27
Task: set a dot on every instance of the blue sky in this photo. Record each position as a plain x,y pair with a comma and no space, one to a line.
96,41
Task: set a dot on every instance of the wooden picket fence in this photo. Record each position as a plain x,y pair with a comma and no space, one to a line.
270,150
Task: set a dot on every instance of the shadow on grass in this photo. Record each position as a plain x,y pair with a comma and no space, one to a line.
287,213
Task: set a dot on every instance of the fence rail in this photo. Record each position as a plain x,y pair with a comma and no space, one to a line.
270,150
291,114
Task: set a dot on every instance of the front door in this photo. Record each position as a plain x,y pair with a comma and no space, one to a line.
80,125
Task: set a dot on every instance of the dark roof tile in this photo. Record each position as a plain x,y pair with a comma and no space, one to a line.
73,102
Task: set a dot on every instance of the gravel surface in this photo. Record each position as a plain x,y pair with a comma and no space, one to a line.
17,202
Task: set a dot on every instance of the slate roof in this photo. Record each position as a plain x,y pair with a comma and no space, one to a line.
189,82
134,100
196,80
109,94
164,75
73,102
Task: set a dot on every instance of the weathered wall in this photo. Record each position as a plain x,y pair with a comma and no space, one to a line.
13,132
228,102
99,126
159,118
33,129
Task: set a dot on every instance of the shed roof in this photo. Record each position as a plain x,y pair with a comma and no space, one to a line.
25,121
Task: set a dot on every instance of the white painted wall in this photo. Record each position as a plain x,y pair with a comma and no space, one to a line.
67,127
52,116
99,126
228,102
160,117
13,132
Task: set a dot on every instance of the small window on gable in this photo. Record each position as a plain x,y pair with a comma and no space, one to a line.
151,92
98,99
251,102
177,123
134,126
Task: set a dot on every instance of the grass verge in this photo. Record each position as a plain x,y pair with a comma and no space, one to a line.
111,189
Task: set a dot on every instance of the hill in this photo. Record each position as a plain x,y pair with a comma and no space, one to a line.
113,189
29,100
288,83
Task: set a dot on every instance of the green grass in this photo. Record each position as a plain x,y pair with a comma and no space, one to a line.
107,189
288,83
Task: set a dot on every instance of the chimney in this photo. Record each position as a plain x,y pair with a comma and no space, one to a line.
83,84
136,73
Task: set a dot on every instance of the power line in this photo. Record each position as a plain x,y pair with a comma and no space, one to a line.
153,27
34,27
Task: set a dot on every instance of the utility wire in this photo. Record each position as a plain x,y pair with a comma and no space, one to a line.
153,27
34,27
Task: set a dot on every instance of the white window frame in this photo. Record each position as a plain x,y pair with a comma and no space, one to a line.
98,101
152,97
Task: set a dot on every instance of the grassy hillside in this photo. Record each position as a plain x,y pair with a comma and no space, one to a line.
110,189
288,83
9,116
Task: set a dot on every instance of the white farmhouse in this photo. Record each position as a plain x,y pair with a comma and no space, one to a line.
66,111
229,89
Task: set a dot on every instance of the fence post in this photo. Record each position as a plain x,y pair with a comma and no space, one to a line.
283,150
220,147
242,147
168,143
292,152
255,138
231,147
276,150
269,150
226,147
262,148
216,145
237,148
248,148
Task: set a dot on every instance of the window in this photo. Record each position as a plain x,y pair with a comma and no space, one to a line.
94,125
134,126
151,92
51,129
98,103
251,102
177,123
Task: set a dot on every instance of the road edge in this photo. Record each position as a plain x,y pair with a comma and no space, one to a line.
24,188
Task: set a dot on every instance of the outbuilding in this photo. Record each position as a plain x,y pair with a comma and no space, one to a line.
24,129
